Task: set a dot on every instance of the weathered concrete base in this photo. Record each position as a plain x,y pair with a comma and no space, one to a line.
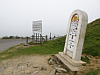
69,63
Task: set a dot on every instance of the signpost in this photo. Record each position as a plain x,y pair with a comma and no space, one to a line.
37,32
74,41
76,33
37,27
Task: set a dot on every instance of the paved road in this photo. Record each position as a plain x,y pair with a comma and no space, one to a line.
7,43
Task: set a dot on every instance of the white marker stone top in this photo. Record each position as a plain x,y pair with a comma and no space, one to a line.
76,34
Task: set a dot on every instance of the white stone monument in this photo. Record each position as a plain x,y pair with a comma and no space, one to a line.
74,40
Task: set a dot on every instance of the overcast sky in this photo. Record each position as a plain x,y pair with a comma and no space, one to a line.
16,16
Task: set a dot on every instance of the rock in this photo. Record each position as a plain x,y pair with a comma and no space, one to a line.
28,64
35,66
23,71
35,72
43,68
26,45
61,74
27,71
50,61
59,66
61,70
52,72
57,73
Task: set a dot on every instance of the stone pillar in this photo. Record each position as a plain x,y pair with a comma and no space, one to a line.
71,55
76,34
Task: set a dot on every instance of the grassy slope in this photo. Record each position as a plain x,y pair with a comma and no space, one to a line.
51,47
91,46
92,39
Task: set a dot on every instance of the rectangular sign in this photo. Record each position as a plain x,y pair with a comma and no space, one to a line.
37,26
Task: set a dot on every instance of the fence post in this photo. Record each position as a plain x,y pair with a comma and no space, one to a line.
27,40
46,38
50,35
41,38
32,38
36,37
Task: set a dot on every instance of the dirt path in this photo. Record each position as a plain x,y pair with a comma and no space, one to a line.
37,65
26,65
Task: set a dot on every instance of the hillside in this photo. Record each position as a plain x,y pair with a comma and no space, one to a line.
92,39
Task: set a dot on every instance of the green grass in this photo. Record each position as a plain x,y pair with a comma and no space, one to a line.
92,39
94,72
51,47
86,59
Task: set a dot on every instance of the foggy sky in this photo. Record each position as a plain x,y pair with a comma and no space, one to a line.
16,16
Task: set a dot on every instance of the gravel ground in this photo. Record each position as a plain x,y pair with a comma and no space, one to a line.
38,65
27,65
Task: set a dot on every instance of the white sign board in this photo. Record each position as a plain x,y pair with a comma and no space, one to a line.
76,33
37,26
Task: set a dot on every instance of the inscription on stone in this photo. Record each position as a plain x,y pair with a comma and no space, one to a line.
76,33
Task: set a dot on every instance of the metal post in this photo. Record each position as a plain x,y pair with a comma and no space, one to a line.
50,35
27,40
36,37
46,38
41,39
32,38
